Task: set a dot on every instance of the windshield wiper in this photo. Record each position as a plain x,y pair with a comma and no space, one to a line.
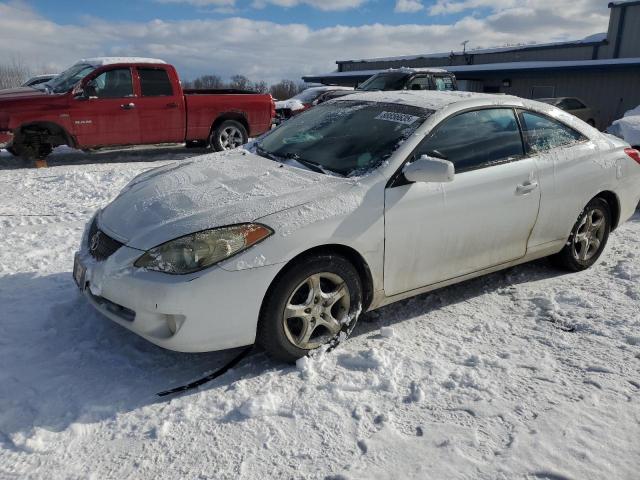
268,155
316,167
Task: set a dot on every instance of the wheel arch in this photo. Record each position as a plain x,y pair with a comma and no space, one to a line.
614,205
237,116
356,259
55,132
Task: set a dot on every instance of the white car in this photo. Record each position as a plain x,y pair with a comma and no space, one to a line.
354,204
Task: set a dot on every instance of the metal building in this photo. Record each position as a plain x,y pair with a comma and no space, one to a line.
603,69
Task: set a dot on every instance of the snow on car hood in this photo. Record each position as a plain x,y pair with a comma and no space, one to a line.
291,104
211,191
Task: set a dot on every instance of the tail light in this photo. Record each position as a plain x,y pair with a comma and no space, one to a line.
633,153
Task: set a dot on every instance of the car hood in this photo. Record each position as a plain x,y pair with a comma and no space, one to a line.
210,191
21,92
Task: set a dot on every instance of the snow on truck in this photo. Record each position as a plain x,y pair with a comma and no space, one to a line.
120,101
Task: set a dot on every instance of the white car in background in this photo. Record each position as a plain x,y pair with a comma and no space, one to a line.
352,205
628,127
574,106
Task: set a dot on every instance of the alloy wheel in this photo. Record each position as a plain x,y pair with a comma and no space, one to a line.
230,138
316,310
589,235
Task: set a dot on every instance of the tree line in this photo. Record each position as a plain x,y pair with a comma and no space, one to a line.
15,73
282,90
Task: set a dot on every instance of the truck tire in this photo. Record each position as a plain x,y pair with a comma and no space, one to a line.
32,151
228,135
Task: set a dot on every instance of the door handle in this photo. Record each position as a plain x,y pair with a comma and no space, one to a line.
526,187
128,106
172,105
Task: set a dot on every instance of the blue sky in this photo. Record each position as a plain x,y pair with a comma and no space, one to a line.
275,39
374,11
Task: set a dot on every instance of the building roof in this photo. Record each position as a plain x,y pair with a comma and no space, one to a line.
502,67
590,40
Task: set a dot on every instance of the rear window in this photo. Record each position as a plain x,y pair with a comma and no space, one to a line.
155,82
444,83
542,133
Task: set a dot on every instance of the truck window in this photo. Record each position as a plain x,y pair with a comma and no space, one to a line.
443,83
155,82
114,83
419,83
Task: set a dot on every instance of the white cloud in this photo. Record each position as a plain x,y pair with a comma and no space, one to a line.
408,6
272,51
326,5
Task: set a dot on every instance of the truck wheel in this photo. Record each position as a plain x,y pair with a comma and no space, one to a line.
228,135
32,150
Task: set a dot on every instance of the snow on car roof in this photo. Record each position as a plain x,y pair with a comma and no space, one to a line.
428,99
100,61
324,88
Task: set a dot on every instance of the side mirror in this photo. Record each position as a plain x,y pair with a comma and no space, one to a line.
429,169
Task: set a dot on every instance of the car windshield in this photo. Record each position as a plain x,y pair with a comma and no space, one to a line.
343,137
308,95
385,81
69,78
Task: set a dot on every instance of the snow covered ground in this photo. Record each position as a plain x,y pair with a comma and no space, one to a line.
628,127
526,373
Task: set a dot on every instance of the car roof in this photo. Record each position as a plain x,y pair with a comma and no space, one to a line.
414,70
433,99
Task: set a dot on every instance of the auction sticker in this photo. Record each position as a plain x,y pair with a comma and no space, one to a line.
397,117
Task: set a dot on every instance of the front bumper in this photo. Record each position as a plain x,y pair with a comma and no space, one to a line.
210,310
6,138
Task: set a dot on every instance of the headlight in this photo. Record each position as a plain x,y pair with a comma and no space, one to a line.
200,250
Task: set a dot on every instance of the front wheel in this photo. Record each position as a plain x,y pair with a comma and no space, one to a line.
315,302
228,135
588,237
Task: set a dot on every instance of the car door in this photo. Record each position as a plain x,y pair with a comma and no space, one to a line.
160,107
106,114
565,160
439,231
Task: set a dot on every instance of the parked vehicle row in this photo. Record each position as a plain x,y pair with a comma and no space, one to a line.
347,207
105,102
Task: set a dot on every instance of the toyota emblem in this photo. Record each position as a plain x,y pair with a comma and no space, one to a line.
95,241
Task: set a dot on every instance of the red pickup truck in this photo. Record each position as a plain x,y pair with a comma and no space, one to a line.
105,102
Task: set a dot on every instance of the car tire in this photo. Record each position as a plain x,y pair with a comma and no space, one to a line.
588,237
592,122
314,302
228,135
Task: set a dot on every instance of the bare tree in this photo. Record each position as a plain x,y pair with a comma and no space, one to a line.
13,74
284,89
240,82
205,82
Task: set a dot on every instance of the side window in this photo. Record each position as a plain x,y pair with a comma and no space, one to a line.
114,83
154,82
419,83
443,83
542,133
476,139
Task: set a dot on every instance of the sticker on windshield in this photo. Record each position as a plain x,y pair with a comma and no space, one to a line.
397,117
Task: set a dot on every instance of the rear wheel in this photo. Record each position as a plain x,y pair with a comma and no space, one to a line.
588,237
315,302
12,151
228,135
